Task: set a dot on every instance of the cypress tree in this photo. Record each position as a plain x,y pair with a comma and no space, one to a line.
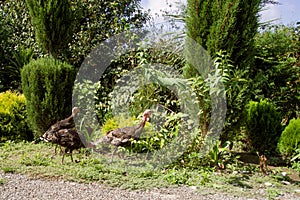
47,85
222,26
54,22
228,25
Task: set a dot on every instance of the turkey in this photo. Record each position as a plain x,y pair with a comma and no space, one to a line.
67,123
64,134
122,136
69,138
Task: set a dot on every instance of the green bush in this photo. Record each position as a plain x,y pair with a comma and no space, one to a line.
263,126
289,140
13,117
47,85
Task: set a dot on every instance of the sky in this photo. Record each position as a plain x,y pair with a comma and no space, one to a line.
288,12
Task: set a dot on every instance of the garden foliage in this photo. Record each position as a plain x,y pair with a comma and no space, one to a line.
290,138
263,126
47,84
54,22
152,137
276,72
13,117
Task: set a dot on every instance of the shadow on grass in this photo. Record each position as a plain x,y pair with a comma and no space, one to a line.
239,182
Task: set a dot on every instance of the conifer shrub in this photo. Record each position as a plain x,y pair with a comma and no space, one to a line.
47,85
263,126
289,140
13,117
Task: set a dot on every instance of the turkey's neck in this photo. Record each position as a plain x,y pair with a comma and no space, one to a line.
141,126
143,122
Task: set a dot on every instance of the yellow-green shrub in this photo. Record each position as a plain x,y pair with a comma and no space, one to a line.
263,126
13,117
289,140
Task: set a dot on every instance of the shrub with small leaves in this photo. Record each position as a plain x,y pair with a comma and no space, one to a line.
47,85
263,126
13,117
289,140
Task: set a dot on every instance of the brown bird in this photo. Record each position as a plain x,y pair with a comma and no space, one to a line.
122,136
69,138
67,123
64,134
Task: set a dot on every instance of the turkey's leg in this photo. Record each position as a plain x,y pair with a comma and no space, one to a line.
55,150
112,155
63,157
71,155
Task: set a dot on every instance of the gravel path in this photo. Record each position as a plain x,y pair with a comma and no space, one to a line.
18,186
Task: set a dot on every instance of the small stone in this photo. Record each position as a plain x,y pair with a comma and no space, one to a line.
235,172
285,182
245,172
193,187
268,184
284,174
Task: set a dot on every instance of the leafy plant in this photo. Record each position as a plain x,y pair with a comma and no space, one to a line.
38,160
295,160
101,20
296,156
224,81
47,85
178,177
13,117
273,193
263,126
12,73
217,154
16,22
276,74
289,142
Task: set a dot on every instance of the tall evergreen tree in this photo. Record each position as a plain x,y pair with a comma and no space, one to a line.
228,25
222,26
54,22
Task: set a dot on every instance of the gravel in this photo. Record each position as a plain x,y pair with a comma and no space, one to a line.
17,186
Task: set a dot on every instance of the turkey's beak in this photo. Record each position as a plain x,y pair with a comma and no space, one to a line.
148,118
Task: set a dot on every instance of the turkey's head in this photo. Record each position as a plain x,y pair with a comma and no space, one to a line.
75,110
146,114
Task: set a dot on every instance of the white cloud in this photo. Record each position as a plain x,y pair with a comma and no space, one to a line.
286,12
270,13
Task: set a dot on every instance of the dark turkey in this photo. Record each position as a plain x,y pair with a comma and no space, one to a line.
64,134
122,136
67,123
69,138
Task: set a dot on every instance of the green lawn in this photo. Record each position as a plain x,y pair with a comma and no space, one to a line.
38,160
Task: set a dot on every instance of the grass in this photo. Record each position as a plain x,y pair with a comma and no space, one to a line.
38,160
